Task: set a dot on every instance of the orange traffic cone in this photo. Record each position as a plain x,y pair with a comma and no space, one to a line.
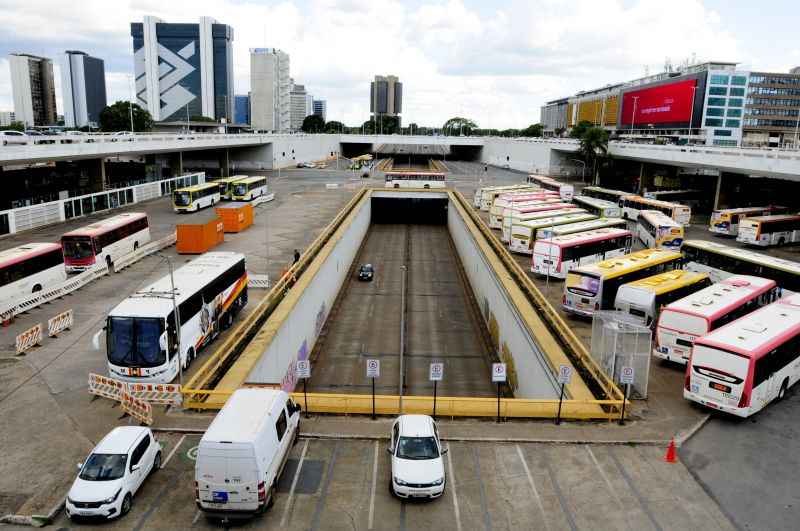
669,457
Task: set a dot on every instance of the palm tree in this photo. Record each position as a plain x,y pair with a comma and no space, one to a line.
594,147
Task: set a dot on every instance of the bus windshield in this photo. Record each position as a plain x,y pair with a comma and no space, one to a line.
183,198
582,284
77,247
134,341
240,189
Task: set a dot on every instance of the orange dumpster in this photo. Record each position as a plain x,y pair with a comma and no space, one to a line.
236,216
200,233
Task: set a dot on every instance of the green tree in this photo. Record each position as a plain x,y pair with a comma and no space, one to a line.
14,126
459,126
559,131
313,124
578,130
533,130
594,148
334,127
117,117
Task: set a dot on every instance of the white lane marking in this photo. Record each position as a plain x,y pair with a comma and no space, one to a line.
611,489
172,452
533,486
294,484
196,517
452,482
374,481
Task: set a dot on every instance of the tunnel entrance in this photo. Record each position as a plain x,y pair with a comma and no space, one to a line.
409,210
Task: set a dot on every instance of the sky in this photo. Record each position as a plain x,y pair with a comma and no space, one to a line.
495,62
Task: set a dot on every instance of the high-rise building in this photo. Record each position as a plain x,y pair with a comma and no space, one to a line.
242,113
301,106
34,89
321,109
6,117
270,88
183,68
83,88
386,96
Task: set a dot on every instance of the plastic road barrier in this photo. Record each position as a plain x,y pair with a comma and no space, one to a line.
106,387
156,393
29,338
136,408
59,323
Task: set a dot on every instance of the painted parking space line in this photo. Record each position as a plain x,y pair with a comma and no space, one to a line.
611,490
487,519
372,493
172,452
533,487
294,484
634,490
316,520
452,482
560,495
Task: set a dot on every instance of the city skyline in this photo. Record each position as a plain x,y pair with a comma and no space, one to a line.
496,65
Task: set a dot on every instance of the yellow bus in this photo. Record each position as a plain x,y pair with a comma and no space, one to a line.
631,205
726,221
593,287
524,233
645,297
225,185
193,198
655,229
249,188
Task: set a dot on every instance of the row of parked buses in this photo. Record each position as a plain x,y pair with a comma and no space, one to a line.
236,188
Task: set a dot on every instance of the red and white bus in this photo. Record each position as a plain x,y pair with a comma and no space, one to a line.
566,191
104,240
520,213
745,365
506,201
30,268
684,320
557,256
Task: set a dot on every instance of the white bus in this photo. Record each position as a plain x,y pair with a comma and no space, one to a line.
557,256
633,204
657,230
607,194
141,340
477,199
524,233
684,320
30,268
225,188
693,198
248,188
599,207
644,298
582,226
742,367
415,179
566,191
488,195
518,217
721,261
504,201
726,221
104,240
193,198
769,230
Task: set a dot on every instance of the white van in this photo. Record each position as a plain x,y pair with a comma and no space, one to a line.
242,454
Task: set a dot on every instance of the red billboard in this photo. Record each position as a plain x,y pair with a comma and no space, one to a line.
671,103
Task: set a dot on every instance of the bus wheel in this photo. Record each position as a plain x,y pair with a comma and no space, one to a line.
37,287
109,265
781,241
227,320
135,246
782,390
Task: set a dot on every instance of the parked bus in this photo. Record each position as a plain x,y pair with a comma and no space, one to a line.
742,367
415,179
686,319
582,226
599,207
141,339
594,287
633,204
566,191
518,217
249,188
769,230
193,198
692,198
606,194
644,298
477,199
556,256
30,268
225,188
503,202
488,195
104,240
726,221
524,233
721,261
656,230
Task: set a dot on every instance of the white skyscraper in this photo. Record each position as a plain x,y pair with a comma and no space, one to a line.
34,89
270,90
83,88
302,105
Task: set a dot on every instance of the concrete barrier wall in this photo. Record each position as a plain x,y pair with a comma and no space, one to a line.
285,152
528,155
527,366
299,331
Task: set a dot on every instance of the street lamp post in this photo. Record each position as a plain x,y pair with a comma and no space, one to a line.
177,319
402,330
633,116
691,114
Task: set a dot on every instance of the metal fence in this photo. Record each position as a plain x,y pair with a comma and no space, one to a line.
619,340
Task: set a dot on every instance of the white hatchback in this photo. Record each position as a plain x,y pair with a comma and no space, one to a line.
113,473
417,467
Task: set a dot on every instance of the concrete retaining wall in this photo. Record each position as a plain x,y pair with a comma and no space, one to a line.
528,155
285,152
526,365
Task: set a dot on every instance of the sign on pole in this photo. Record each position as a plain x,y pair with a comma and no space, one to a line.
303,369
626,375
373,368
436,372
498,372
564,374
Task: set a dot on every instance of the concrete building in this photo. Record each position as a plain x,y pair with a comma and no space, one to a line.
183,68
6,117
83,88
321,109
242,109
34,89
386,96
302,105
772,109
554,116
270,88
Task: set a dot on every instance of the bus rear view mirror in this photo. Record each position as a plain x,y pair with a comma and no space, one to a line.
96,340
162,341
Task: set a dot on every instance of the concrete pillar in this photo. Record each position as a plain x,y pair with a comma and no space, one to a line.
176,163
97,174
224,163
716,193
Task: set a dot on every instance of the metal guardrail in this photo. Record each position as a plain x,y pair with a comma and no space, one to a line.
145,250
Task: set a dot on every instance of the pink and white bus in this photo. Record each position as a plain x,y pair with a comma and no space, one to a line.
505,201
695,315
519,214
557,256
30,268
104,240
745,365
566,191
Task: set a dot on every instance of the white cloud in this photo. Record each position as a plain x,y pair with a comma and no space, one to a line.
496,63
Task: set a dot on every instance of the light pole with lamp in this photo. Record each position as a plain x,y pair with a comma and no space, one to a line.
177,318
633,116
691,114
404,270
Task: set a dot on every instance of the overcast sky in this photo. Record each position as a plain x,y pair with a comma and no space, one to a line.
493,61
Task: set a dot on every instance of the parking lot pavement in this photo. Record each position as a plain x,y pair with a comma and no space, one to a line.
345,485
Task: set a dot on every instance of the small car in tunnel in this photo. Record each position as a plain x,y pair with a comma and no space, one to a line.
366,272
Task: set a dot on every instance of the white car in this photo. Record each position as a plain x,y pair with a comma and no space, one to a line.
417,467
13,137
113,472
